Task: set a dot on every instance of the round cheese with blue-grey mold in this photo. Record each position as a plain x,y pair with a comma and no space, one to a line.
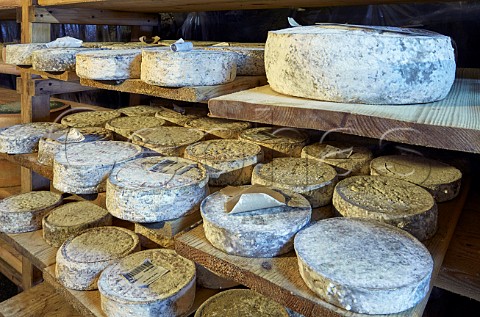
24,138
87,119
116,64
56,59
219,127
250,60
124,127
21,54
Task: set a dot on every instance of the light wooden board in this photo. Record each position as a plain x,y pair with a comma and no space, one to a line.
8,95
63,76
7,68
191,94
453,123
10,4
29,161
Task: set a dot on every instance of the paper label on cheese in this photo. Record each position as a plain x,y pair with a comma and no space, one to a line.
172,167
145,274
256,197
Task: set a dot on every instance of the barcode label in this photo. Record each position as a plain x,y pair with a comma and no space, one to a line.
145,274
171,167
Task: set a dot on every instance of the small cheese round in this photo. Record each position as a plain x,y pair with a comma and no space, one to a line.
21,54
312,179
24,138
389,200
56,59
156,189
84,167
261,233
90,118
24,212
208,279
82,258
219,128
140,110
178,118
363,266
70,219
170,295
441,180
249,59
228,162
114,64
124,127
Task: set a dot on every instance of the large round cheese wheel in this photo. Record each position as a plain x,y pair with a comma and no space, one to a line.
363,266
388,200
156,189
90,118
135,286
249,59
84,167
56,59
191,68
312,179
70,219
360,64
228,162
115,64
178,118
82,258
219,128
261,233
124,127
21,54
441,180
24,138
140,110
24,212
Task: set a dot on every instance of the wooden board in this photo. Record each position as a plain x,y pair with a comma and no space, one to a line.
453,123
63,76
10,4
279,278
7,68
8,95
191,94
29,161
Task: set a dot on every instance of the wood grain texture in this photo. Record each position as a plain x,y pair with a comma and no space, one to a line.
10,4
7,68
29,161
63,76
8,95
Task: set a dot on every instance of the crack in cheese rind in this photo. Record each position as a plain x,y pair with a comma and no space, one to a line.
90,118
220,128
114,64
24,138
124,127
250,60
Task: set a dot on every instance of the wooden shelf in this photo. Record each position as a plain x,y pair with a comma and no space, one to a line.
29,161
453,123
10,4
7,68
63,76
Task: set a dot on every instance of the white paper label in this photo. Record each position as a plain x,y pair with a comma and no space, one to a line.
145,274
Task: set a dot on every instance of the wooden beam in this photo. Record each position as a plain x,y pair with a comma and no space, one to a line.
41,87
8,69
33,32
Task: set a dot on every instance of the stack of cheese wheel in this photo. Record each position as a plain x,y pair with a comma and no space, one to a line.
24,212
363,266
140,110
219,128
90,118
156,189
180,118
124,127
56,59
82,258
117,64
70,219
24,138
389,200
21,54
441,180
228,162
249,59
312,179
150,283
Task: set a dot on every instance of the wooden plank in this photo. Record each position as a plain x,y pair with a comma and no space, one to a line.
10,256
7,68
29,161
8,95
41,87
63,76
10,14
9,272
10,4
191,94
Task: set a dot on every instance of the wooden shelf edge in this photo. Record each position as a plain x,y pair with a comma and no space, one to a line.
63,76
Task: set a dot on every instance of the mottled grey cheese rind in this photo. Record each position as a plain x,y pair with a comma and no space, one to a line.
179,118
208,279
109,64
124,127
363,266
228,162
250,60
82,258
359,64
84,167
276,142
389,200
441,180
140,110
171,295
169,141
56,59
220,128
240,303
69,220
24,138
262,233
312,179
21,54
24,212
90,118
156,189
190,68
357,163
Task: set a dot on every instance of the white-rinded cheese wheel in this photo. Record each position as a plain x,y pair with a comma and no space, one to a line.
249,59
208,279
169,295
347,160
124,127
24,212
262,233
70,219
388,200
228,162
156,189
84,167
169,141
363,266
240,302
219,128
21,54
441,180
178,118
109,64
140,110
191,68
24,138
312,179
357,64
82,258
276,142
90,118
56,59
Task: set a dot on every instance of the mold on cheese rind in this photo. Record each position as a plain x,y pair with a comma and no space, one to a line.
56,59
114,64
21,54
140,110
250,60
90,118
24,138
179,118
124,127
219,128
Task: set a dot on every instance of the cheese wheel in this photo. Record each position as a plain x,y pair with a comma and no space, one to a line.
240,303
24,138
84,167
82,258
360,64
441,180
140,110
228,162
208,279
249,59
190,68
56,59
389,200
70,219
24,212
348,160
363,266
178,118
124,127
219,128
21,54
261,233
276,142
156,189
90,118
115,64
135,286
312,179
169,141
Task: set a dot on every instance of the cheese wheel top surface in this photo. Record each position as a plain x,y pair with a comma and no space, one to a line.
209,124
89,118
74,214
134,123
223,150
180,118
274,135
31,201
327,152
140,110
167,136
26,130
